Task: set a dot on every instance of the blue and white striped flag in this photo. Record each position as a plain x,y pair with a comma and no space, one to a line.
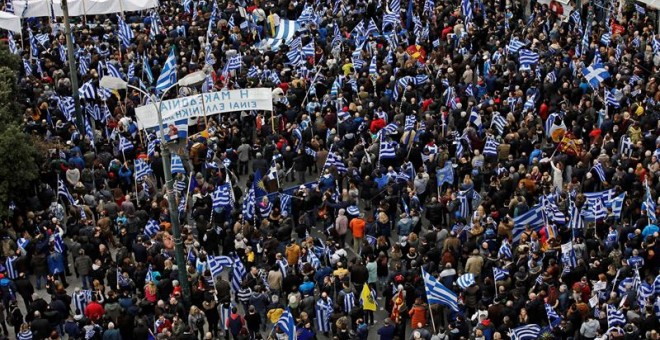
649,204
167,76
436,293
527,57
287,324
527,332
466,280
125,144
87,91
62,190
177,165
490,148
125,32
500,274
238,273
221,197
615,317
600,172
152,228
142,169
387,150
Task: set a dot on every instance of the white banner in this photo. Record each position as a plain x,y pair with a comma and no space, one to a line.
214,102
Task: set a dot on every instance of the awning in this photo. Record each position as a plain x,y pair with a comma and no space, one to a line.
10,22
42,8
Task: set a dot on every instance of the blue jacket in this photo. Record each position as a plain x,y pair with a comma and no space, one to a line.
56,263
386,332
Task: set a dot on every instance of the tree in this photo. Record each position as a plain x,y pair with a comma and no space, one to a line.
18,167
18,155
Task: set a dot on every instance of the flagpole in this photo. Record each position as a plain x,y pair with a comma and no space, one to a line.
136,185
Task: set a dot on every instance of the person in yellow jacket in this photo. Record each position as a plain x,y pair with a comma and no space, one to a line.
275,310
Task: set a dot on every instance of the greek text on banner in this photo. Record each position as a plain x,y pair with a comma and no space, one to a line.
215,102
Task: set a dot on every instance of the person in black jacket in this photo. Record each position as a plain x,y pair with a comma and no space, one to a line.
300,165
40,327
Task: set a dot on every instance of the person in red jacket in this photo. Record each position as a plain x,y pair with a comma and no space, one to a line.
94,311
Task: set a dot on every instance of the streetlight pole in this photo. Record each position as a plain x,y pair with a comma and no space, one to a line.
73,72
189,80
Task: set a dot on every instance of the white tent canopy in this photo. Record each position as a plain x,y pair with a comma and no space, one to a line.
42,8
10,22
655,4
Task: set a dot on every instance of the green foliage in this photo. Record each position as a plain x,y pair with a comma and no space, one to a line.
18,155
18,166
10,109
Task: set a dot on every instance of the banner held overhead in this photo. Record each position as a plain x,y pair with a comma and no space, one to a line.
214,102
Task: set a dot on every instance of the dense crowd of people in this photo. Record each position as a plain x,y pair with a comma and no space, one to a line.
504,154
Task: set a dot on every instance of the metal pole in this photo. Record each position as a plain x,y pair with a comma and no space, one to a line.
73,72
171,201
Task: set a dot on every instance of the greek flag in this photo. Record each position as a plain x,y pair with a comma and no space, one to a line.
234,63
436,293
221,196
527,332
527,57
295,57
615,317
500,274
13,48
594,210
490,149
131,71
287,324
649,204
124,144
217,263
465,206
146,70
373,66
167,76
238,273
515,45
575,221
475,118
152,228
617,205
154,30
125,32
63,191
505,250
323,311
58,244
606,38
12,273
533,218
27,67
249,205
113,70
349,302
499,121
151,147
640,9
595,74
309,50
553,317
177,165
285,203
610,98
466,280
283,264
600,172
142,169
387,150
87,91
313,260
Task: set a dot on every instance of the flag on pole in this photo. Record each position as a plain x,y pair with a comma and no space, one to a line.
167,76
436,293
